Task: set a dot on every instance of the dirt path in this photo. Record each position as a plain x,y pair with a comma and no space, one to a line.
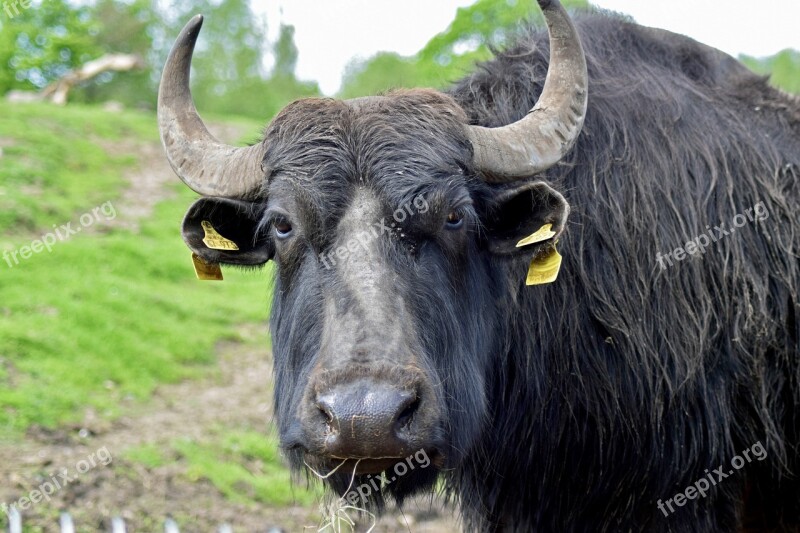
237,397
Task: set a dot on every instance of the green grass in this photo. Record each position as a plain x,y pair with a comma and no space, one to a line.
149,455
245,467
106,317
58,159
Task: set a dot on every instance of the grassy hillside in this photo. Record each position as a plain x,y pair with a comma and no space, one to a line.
90,328
109,313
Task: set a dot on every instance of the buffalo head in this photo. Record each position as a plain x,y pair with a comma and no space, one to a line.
394,225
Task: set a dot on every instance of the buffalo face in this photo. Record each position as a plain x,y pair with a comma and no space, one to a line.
395,227
386,317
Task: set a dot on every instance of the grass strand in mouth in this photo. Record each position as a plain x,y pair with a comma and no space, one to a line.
329,474
336,513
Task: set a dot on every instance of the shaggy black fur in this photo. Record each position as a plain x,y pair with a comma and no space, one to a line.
575,406
623,382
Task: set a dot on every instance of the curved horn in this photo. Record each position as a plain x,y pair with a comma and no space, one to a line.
548,131
206,165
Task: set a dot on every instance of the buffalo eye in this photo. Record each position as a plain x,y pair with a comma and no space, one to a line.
454,220
283,229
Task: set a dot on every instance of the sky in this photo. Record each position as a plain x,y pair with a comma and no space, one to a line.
330,33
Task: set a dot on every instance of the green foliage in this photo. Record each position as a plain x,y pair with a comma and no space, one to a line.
43,43
484,24
285,52
451,54
380,73
230,79
783,69
126,28
220,67
40,44
228,75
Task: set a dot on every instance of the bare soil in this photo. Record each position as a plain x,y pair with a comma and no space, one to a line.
239,397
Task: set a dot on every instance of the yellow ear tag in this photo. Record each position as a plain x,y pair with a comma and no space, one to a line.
206,271
542,234
544,268
214,240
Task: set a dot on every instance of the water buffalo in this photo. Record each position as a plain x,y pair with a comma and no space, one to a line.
652,385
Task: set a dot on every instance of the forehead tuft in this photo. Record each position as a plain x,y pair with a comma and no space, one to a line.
421,132
417,105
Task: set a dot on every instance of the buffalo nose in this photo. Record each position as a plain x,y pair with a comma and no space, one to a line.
367,419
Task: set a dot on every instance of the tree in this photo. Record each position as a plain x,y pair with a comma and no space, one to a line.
783,69
228,74
38,46
380,73
285,52
125,28
283,86
43,44
452,53
229,52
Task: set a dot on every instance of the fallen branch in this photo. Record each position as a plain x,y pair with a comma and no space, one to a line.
58,91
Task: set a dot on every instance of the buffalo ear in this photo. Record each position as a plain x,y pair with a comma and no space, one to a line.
220,230
516,213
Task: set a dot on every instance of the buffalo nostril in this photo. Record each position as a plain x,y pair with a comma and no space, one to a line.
326,412
407,414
